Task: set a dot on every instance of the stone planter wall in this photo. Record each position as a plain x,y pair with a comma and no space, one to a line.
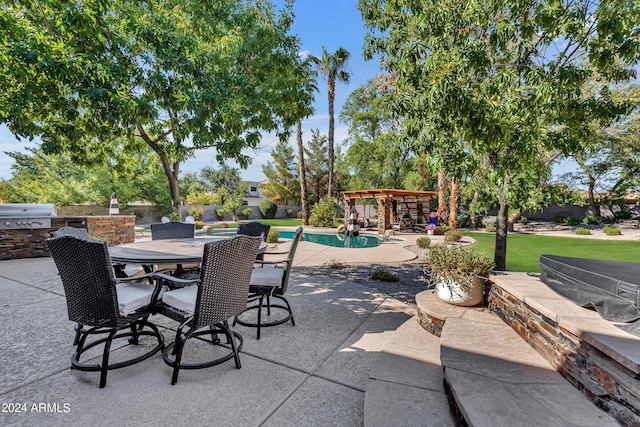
589,362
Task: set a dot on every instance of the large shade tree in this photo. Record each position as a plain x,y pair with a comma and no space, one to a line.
334,67
173,75
504,78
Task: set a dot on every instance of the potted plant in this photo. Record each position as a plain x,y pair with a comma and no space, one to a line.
430,229
458,273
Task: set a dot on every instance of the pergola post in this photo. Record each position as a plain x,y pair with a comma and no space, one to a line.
384,213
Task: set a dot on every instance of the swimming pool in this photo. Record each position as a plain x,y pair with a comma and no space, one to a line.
336,240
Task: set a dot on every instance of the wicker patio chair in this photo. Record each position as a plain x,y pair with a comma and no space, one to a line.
268,283
255,229
172,230
204,310
104,304
71,231
175,230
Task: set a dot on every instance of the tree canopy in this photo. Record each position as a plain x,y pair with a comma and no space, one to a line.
173,75
502,80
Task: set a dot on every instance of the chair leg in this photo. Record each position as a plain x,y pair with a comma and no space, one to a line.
177,350
230,339
293,322
105,359
261,300
78,329
214,335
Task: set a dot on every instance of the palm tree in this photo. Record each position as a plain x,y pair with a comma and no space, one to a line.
309,84
334,68
304,202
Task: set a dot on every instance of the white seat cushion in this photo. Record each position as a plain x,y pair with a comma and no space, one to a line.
183,299
133,296
267,276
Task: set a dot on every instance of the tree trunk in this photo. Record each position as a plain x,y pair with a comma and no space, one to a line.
512,220
331,89
442,194
171,171
500,257
303,176
454,193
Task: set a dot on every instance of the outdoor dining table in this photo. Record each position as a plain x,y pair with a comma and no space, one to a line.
166,251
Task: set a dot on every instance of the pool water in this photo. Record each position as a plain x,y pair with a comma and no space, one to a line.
336,240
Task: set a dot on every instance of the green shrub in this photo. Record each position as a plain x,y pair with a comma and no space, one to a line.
323,213
273,236
592,220
559,219
299,215
246,212
268,209
523,220
622,215
463,220
423,242
289,213
455,264
196,213
199,199
199,224
336,264
583,231
490,229
489,221
220,214
570,220
452,236
610,230
382,275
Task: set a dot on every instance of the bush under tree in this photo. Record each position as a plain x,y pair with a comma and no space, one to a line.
268,209
324,213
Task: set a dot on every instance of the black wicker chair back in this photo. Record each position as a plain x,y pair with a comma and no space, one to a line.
289,262
71,231
92,300
172,230
268,284
224,280
88,280
254,229
221,294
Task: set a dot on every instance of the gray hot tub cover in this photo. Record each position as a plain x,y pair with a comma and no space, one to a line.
612,288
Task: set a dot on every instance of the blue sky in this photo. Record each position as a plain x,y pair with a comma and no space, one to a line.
328,23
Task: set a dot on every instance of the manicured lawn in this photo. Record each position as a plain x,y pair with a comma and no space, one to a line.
524,250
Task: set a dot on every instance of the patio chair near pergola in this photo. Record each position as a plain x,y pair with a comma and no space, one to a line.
401,206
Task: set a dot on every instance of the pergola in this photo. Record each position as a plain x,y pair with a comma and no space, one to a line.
417,204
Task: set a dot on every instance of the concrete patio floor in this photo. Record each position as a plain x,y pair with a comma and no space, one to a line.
314,373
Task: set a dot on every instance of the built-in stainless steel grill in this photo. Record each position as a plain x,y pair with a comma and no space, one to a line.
14,216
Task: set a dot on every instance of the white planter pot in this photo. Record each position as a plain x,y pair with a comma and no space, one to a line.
453,293
430,232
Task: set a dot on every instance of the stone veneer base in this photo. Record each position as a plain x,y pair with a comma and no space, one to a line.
29,243
600,360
